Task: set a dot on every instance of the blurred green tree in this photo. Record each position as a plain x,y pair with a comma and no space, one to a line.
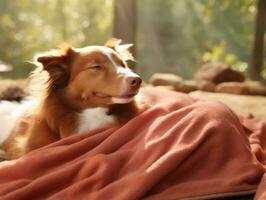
256,62
172,36
178,34
31,26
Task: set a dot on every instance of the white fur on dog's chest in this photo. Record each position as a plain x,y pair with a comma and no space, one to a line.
94,118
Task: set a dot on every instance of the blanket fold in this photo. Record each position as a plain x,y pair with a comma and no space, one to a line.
180,148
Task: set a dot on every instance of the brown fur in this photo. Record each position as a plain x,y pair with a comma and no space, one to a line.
124,112
65,82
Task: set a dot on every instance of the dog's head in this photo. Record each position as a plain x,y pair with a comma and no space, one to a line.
91,76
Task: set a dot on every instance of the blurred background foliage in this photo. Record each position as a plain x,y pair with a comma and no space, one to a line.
172,36
31,26
181,35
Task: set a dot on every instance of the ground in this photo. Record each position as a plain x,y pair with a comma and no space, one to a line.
239,103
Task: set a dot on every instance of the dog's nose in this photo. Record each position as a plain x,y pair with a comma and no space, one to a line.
134,81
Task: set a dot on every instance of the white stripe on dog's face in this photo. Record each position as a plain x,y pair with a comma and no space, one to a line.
121,71
126,73
109,56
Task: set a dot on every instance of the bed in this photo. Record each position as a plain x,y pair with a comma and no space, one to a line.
179,148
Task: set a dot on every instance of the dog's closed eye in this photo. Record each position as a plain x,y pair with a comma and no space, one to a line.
96,67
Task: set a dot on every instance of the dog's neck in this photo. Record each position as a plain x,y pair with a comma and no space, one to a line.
65,120
124,112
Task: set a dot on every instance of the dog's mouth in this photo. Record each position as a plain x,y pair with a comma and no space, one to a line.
116,99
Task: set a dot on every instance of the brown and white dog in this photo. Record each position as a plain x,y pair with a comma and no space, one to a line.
79,89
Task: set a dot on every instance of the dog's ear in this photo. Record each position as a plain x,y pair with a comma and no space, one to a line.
56,59
58,64
121,49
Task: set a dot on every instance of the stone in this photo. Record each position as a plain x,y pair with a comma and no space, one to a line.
13,90
232,88
165,79
206,86
256,88
186,86
246,88
219,73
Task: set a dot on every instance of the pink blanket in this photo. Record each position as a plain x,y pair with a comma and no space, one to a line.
180,148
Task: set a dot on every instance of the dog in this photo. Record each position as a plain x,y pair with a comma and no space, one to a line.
75,90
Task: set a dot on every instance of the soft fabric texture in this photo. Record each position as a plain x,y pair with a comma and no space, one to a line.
179,148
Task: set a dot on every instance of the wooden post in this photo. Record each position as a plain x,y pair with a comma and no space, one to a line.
256,63
125,23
